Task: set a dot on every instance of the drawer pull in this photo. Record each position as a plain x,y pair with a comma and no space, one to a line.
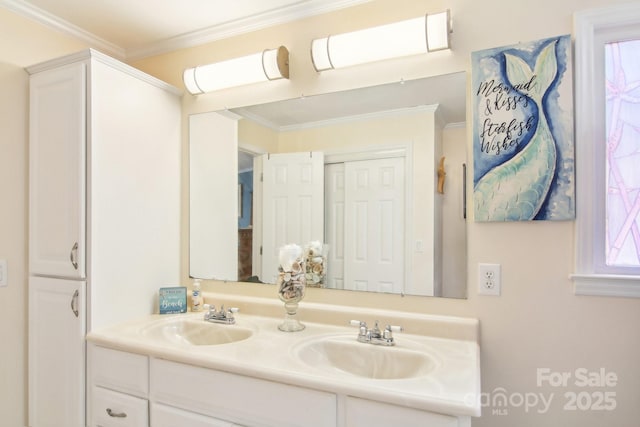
116,414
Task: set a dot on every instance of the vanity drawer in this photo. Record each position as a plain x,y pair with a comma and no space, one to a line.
113,409
366,413
167,416
118,370
239,399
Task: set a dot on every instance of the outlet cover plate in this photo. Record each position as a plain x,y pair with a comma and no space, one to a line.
489,282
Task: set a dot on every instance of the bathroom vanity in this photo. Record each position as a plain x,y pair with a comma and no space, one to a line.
176,370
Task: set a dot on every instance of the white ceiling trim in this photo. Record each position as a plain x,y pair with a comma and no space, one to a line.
52,21
241,26
191,39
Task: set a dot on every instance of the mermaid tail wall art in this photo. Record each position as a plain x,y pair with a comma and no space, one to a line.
523,142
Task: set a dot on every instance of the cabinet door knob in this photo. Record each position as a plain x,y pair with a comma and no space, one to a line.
116,414
73,255
74,302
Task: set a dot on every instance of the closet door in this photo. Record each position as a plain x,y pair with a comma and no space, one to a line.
57,172
334,205
374,225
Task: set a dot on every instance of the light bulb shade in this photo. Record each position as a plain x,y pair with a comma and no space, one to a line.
270,64
410,37
438,30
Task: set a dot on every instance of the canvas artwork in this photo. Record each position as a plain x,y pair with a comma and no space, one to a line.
523,152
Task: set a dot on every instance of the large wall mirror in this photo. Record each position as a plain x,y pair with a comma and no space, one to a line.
356,170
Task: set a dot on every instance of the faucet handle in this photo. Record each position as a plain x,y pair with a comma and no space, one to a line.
230,312
388,331
361,325
207,311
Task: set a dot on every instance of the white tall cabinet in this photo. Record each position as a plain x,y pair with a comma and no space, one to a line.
104,223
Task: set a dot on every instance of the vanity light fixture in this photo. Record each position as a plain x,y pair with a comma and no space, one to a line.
425,34
271,64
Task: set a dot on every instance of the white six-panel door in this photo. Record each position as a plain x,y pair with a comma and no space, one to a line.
334,204
365,225
293,204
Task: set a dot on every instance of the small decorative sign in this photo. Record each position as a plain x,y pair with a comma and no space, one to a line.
173,300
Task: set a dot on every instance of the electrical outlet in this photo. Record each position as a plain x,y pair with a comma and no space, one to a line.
489,279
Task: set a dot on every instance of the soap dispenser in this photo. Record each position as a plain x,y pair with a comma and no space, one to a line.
196,296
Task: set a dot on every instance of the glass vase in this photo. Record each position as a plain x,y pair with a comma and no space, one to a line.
291,287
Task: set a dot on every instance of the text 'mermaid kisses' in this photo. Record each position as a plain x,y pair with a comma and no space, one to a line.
497,135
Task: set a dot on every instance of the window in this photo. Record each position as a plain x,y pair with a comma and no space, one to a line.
608,151
622,80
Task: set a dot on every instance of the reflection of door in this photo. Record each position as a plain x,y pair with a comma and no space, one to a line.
368,242
292,204
334,223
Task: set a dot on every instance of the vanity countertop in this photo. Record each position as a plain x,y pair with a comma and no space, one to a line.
452,385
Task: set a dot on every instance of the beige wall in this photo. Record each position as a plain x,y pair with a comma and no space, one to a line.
536,323
13,245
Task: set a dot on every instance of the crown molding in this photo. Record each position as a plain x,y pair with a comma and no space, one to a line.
252,23
92,54
55,23
242,26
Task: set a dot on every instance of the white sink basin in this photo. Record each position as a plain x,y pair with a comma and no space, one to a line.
195,332
345,354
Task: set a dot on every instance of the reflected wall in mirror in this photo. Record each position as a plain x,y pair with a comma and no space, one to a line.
387,227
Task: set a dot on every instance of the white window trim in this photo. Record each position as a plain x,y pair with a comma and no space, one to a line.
594,28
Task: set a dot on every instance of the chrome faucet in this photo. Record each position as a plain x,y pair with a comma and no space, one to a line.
375,335
222,316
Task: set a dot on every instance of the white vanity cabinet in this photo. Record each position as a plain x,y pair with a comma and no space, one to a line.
104,215
367,413
122,384
239,399
169,416
177,394
118,388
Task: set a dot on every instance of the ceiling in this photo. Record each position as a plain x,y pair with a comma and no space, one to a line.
448,91
131,29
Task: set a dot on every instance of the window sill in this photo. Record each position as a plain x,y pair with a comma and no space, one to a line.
606,285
